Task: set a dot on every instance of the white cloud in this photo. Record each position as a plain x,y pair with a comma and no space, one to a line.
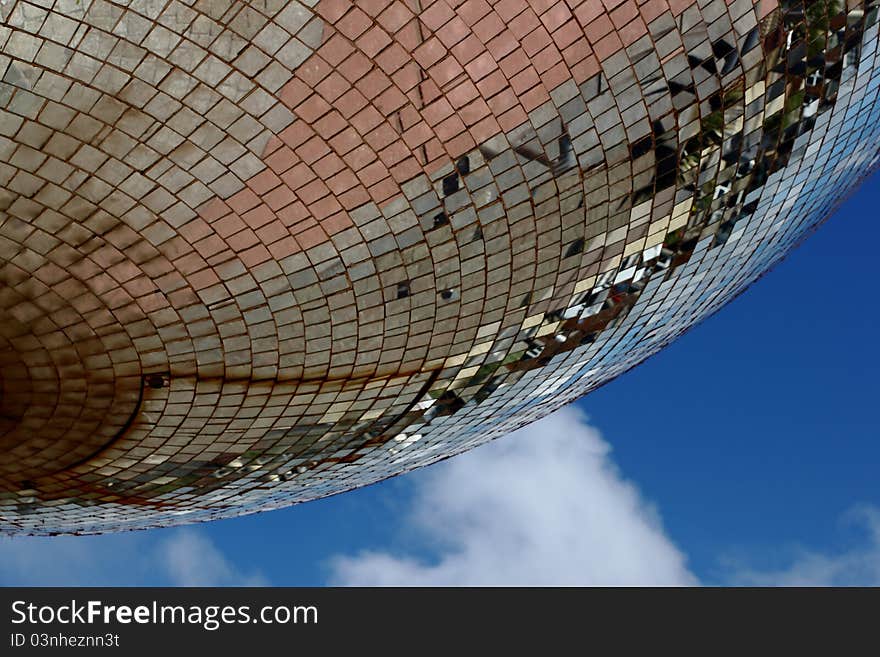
543,506
191,559
176,557
859,565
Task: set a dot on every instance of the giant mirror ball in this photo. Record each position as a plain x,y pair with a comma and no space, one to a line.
257,252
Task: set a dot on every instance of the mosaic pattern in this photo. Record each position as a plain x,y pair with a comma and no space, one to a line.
256,252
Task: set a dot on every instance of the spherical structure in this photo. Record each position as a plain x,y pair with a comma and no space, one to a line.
256,252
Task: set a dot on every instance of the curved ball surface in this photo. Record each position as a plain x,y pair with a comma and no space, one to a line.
256,252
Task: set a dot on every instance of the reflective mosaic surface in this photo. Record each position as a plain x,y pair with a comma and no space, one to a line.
257,252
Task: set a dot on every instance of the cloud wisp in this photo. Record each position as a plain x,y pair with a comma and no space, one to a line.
543,506
176,557
190,558
857,565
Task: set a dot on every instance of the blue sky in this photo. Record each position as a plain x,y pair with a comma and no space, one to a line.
745,452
